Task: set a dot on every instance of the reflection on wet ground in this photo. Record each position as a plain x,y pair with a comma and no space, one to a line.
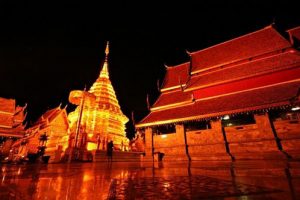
195,180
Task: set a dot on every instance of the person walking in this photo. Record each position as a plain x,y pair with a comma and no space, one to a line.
110,147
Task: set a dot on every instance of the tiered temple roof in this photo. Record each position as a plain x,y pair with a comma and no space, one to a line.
257,71
255,44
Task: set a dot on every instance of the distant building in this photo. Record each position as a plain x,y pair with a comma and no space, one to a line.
11,118
11,123
53,125
235,100
98,117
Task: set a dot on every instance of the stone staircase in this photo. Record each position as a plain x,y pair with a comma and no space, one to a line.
118,156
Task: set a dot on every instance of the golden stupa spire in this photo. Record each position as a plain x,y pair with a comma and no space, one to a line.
104,72
101,114
107,50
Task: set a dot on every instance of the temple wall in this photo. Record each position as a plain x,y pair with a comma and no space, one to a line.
171,145
243,142
207,144
288,131
253,141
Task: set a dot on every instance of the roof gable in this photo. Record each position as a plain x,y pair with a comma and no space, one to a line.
294,34
175,76
48,116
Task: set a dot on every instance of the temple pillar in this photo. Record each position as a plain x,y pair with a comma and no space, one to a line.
217,126
263,124
179,150
272,143
148,145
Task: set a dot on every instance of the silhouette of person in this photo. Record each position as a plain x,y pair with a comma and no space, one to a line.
110,147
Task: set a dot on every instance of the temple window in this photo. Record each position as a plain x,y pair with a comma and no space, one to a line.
164,129
197,125
238,120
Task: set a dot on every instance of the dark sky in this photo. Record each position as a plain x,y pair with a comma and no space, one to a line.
47,50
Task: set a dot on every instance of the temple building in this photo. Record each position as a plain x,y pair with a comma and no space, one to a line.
50,131
98,114
236,100
12,124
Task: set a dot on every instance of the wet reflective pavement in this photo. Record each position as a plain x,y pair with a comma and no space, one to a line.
195,180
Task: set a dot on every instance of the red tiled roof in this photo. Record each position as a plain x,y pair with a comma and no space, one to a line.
173,97
49,114
176,75
273,96
7,105
273,63
295,32
248,46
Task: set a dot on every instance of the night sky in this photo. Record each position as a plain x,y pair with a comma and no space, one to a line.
47,50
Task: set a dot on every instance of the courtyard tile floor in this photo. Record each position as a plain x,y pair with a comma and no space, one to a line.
121,180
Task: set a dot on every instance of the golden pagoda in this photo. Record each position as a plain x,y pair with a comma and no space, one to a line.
98,114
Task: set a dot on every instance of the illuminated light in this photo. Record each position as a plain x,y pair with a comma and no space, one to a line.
166,185
226,117
91,146
295,108
230,124
87,177
3,168
90,135
163,136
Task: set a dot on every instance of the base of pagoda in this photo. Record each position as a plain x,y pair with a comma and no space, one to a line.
77,154
147,159
117,156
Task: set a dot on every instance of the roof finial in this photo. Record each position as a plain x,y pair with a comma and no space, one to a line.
274,21
107,49
188,52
